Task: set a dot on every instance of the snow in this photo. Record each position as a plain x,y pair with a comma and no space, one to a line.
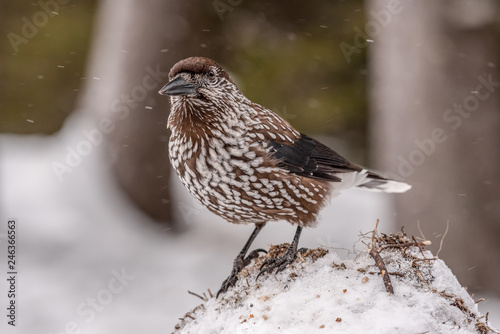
74,235
341,296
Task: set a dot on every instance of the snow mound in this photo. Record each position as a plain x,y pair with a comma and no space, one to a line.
322,293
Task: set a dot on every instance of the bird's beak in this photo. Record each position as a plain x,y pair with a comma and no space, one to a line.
178,86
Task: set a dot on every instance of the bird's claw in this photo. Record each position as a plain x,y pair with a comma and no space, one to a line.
253,255
238,264
281,262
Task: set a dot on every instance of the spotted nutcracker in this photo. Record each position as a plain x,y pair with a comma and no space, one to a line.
248,165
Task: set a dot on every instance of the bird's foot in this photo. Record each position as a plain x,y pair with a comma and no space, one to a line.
238,264
281,262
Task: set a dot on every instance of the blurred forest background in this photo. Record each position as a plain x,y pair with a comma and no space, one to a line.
281,62
376,76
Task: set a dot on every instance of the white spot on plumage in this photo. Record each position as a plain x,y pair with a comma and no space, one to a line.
264,170
250,155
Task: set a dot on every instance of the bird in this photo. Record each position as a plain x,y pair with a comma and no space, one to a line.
248,165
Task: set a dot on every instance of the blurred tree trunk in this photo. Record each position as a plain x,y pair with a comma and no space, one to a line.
131,55
435,89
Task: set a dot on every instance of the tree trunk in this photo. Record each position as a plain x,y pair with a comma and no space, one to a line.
129,62
435,122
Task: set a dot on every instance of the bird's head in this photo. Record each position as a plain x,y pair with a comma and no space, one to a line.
198,78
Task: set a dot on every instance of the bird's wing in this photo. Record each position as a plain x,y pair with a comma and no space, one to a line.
308,157
305,156
296,152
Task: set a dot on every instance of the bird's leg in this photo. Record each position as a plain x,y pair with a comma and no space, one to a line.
241,261
280,263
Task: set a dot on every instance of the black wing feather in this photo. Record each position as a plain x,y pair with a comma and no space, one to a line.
308,157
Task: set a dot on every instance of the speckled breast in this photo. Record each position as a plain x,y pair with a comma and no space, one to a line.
239,181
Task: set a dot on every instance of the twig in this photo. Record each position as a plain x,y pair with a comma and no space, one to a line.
197,295
419,260
393,273
420,230
408,244
442,239
418,245
375,254
374,232
419,275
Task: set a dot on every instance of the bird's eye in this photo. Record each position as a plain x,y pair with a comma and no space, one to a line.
211,75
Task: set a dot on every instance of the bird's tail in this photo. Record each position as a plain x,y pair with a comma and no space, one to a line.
375,182
366,180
